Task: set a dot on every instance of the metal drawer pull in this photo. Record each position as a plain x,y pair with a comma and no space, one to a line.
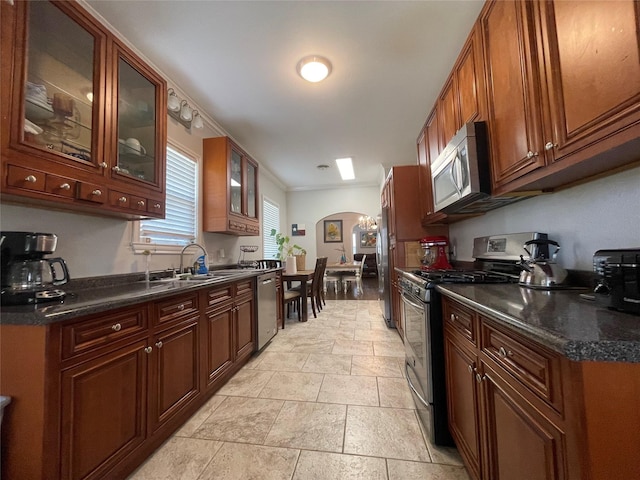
470,368
103,164
141,203
122,199
30,179
116,168
148,349
159,344
550,145
181,307
96,192
65,186
157,205
531,154
116,328
504,352
479,378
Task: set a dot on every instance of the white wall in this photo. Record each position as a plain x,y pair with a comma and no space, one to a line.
601,214
311,206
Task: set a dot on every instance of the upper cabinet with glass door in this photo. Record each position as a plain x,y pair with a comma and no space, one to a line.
83,118
60,95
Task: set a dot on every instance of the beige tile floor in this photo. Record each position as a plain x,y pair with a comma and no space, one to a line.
325,400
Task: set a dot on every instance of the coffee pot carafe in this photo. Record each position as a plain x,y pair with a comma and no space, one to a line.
28,277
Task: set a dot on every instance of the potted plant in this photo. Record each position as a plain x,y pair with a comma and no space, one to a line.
286,249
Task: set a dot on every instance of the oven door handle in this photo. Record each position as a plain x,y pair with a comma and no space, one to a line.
406,298
406,370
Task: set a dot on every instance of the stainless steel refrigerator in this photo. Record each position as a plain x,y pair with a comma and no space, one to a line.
382,260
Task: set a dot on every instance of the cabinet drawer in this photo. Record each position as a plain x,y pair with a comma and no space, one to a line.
237,226
219,296
155,207
26,178
461,319
532,365
61,186
127,201
176,308
244,287
252,229
90,334
91,192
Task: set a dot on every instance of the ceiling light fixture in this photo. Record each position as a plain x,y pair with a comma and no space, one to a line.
345,165
367,223
322,167
314,68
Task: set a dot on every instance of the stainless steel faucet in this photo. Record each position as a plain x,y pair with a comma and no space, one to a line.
206,256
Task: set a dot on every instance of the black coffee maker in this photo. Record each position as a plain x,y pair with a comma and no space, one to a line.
28,277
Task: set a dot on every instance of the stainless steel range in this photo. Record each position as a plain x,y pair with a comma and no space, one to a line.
497,257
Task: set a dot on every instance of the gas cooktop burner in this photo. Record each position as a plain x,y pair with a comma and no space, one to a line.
465,276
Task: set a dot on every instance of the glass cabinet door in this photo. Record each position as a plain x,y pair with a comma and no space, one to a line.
236,182
251,190
59,92
137,133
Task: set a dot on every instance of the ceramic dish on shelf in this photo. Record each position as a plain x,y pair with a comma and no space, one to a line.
36,110
31,127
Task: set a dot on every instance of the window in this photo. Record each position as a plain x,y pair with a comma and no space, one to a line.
180,226
270,220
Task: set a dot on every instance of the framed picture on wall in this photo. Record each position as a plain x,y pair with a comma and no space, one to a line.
333,231
368,239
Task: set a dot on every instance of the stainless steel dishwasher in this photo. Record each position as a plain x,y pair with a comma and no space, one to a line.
267,308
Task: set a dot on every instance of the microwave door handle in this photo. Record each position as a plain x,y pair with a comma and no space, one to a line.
454,177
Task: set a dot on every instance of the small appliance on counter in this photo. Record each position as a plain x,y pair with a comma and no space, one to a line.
28,277
618,282
435,253
541,271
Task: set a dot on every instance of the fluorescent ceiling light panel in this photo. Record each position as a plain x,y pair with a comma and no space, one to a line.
345,166
234,183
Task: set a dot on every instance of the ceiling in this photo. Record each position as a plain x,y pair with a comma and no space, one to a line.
237,61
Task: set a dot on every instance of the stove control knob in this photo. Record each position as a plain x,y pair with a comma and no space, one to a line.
602,288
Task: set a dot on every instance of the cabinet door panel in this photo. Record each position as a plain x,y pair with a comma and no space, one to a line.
594,50
244,328
448,114
103,411
519,438
219,343
471,85
175,372
514,125
462,401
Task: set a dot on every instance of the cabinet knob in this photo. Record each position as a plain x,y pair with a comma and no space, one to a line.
159,344
31,179
550,146
116,328
65,186
479,378
116,168
122,199
103,164
453,317
181,307
96,192
141,203
148,349
157,205
531,154
503,352
470,368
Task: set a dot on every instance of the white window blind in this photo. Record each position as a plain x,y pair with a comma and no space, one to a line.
270,220
179,227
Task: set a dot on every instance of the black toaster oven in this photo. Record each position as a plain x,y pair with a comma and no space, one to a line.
618,279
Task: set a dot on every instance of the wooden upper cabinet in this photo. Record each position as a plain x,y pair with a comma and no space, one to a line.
448,116
230,181
470,79
513,99
592,70
427,147
75,102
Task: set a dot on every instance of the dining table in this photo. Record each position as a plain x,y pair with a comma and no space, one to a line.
343,267
302,276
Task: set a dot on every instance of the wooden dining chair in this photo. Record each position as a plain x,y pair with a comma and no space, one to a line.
314,286
357,278
269,263
292,298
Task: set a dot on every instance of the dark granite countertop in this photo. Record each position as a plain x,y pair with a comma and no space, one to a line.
558,319
99,294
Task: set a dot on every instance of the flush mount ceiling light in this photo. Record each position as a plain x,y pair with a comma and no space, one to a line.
314,68
322,167
345,166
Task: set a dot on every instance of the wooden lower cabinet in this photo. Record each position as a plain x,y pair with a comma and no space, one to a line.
98,402
103,411
518,410
518,437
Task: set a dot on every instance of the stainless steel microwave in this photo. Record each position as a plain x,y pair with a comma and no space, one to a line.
460,175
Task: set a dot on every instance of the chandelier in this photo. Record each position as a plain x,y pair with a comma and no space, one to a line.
367,223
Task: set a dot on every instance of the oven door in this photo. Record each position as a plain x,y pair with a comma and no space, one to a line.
417,358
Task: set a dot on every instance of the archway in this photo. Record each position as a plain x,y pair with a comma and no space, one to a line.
340,233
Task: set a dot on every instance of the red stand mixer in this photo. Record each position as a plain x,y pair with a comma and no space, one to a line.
435,255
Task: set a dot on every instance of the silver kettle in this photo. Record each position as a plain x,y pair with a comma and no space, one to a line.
541,272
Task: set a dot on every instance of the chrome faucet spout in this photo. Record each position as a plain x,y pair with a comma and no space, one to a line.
204,252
